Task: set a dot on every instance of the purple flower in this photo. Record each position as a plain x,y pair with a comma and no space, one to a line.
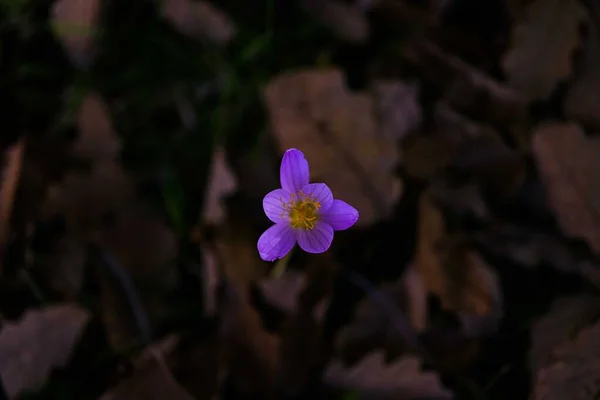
303,212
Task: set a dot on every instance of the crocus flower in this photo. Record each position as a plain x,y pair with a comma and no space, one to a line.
303,212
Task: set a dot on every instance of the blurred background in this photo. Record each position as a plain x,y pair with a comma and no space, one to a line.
139,138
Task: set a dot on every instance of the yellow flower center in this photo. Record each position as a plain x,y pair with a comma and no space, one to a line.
302,210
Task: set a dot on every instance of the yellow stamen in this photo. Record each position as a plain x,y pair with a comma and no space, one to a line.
301,210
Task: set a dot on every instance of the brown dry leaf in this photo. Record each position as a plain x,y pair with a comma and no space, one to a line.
235,243
141,247
88,198
542,46
222,182
567,317
381,320
575,372
283,293
143,244
453,137
74,22
254,352
97,138
63,268
199,19
41,341
425,155
151,380
452,271
346,21
465,88
569,164
313,111
583,98
398,109
210,279
374,379
9,179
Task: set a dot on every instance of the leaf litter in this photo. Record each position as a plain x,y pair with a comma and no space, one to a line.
467,159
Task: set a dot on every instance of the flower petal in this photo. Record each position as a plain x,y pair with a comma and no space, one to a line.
294,173
340,215
273,206
276,242
316,240
321,193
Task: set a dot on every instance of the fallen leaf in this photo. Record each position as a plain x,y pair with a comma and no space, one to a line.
380,320
574,372
455,141
312,110
570,168
283,293
41,341
566,318
397,107
74,22
199,19
87,199
63,268
426,155
151,380
542,46
235,243
464,199
138,251
465,88
453,271
254,353
374,379
222,182
582,102
210,279
97,138
256,173
346,21
143,243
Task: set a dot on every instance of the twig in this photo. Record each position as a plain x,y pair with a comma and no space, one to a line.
8,187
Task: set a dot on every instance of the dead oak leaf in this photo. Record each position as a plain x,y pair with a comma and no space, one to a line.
137,254
374,379
97,138
151,380
283,293
378,320
583,98
569,164
451,270
398,110
74,22
88,198
235,243
542,44
42,340
313,110
566,318
254,352
64,267
466,88
574,372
